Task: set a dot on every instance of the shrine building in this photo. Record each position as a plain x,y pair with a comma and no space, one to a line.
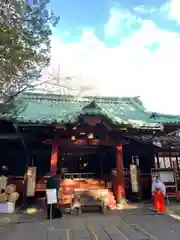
88,138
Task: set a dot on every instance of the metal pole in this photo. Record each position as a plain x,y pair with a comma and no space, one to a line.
49,229
50,220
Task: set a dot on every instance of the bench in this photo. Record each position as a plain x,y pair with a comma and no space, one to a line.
88,198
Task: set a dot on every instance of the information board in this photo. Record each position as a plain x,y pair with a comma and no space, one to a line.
165,175
51,195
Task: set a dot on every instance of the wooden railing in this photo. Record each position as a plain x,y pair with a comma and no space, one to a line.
79,175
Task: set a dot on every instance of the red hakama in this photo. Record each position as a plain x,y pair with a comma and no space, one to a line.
159,201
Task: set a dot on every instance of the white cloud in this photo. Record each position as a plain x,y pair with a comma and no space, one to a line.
174,10
120,23
141,9
129,69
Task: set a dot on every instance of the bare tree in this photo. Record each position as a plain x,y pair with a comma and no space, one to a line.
65,85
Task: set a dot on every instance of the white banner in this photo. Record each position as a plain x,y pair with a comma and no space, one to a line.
30,181
134,178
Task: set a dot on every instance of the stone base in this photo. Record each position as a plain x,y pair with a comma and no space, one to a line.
122,201
125,206
8,207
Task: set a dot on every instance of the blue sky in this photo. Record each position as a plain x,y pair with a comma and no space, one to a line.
121,48
79,14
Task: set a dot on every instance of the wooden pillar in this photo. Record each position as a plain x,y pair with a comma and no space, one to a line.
120,186
54,157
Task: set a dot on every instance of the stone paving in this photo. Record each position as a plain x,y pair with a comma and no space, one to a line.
153,225
97,227
136,224
174,207
20,217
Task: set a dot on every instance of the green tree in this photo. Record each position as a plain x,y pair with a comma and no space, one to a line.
25,37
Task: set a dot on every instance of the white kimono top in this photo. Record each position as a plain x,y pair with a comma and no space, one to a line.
160,185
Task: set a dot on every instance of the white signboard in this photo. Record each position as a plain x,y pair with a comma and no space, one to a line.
167,176
51,196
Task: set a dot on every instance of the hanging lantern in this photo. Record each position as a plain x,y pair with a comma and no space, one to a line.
90,136
73,138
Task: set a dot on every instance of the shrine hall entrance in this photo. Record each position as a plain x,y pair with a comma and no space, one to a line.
97,162
86,161
86,167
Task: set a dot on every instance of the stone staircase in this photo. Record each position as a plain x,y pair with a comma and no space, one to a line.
68,186
111,200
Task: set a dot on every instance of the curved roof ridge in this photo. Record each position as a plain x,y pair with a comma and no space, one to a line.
40,95
49,96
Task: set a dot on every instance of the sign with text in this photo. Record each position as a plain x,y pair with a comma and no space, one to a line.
51,195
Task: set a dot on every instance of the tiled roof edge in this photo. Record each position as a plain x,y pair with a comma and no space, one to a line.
55,97
50,96
165,115
88,99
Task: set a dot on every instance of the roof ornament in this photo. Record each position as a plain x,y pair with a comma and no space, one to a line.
157,143
92,105
153,115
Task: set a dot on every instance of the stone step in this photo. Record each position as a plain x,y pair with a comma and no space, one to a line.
67,187
67,199
111,200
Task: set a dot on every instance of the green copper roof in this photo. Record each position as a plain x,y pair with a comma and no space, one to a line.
50,108
165,118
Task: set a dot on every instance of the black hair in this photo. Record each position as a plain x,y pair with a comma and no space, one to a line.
157,177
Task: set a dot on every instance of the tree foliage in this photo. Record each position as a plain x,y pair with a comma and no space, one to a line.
25,37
